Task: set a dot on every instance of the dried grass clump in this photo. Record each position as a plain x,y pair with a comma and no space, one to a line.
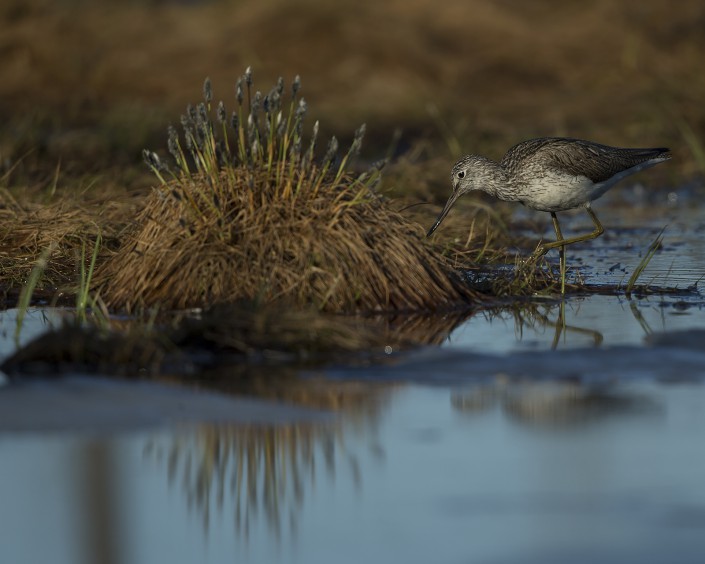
251,213
57,228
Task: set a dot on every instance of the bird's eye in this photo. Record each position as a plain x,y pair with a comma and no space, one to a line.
461,174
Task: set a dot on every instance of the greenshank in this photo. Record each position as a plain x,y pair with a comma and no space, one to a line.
551,174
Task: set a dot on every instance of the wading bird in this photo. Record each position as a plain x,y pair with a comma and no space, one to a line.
551,174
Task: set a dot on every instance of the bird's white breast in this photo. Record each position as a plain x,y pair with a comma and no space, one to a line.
553,191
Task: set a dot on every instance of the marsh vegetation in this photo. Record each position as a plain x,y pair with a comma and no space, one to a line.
254,199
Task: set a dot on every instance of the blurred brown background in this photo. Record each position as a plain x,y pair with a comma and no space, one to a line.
90,83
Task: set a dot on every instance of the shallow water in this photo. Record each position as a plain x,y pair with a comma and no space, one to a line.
492,447
632,220
432,476
580,322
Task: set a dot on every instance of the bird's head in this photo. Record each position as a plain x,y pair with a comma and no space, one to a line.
469,173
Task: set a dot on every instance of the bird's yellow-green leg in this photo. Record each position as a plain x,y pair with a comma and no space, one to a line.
559,237
599,230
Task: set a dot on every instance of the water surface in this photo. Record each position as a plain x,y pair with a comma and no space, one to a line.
550,431
431,477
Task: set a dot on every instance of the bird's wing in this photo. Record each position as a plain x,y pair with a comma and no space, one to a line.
581,158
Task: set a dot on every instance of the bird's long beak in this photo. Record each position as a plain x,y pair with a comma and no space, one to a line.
444,213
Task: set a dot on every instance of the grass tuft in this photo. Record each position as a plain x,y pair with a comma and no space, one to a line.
246,210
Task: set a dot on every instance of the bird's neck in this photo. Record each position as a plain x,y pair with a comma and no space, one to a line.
497,179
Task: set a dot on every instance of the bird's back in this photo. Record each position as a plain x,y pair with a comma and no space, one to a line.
576,157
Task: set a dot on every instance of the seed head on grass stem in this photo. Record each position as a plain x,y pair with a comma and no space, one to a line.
208,91
222,113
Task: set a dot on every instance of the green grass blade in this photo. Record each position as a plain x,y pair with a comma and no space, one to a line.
82,297
28,290
653,247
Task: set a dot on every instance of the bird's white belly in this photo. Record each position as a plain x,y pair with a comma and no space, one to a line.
559,192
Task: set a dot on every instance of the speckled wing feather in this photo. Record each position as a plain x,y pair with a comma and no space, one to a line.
580,158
